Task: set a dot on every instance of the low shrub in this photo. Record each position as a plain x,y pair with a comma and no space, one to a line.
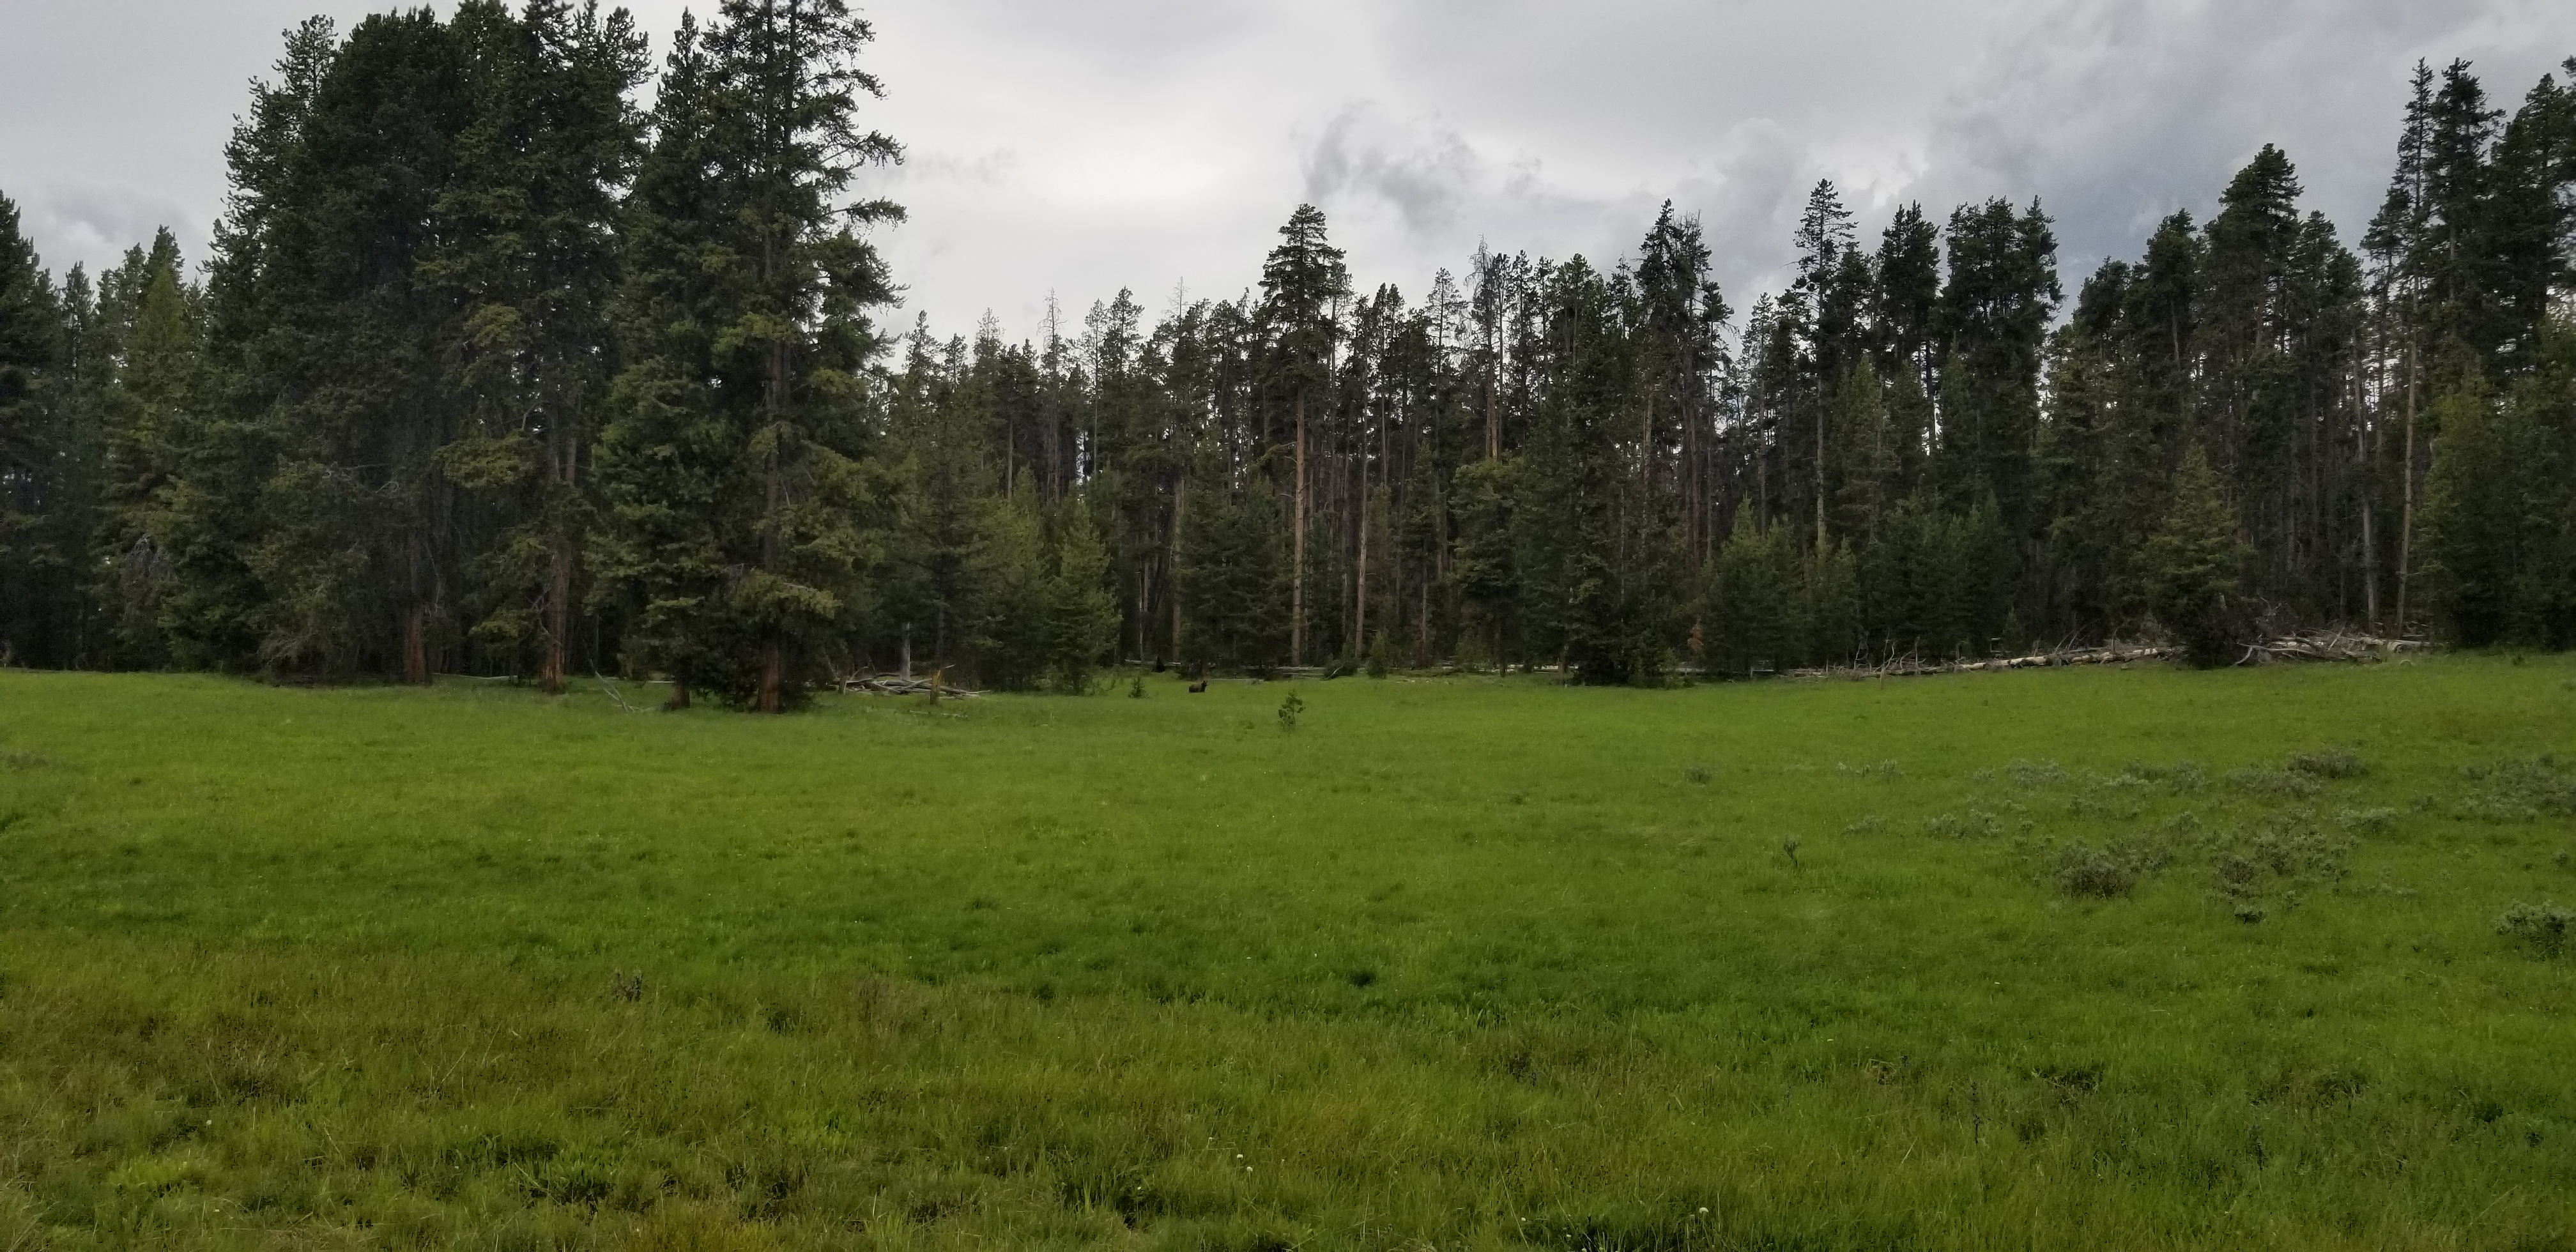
2275,782
2521,791
2289,849
2087,871
1976,824
2328,763
2033,775
2180,778
2540,929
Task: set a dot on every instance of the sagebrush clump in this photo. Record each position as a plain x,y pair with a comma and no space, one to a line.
2287,851
2539,928
2328,763
2521,791
2087,871
2115,869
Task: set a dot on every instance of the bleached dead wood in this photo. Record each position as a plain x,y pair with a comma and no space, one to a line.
2330,646
613,692
2336,646
1909,665
898,685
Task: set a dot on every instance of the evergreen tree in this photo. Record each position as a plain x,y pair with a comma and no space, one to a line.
1757,602
341,365
146,386
530,259
2195,567
1011,625
1080,613
1994,314
1302,282
1908,266
1681,352
2500,510
37,573
1234,588
1483,569
735,446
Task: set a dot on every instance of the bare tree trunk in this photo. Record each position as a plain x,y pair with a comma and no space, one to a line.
1297,578
2406,527
415,649
1422,630
1820,481
1694,478
1646,456
1359,598
558,594
550,672
679,695
1493,411
1180,497
2369,507
773,667
773,678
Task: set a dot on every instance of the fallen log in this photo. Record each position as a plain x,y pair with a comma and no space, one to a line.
2330,646
2333,646
898,685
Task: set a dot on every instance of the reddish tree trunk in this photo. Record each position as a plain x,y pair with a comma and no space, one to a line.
415,651
1180,497
773,680
550,674
1297,579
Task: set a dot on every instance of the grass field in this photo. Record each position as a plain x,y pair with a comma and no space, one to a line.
2049,960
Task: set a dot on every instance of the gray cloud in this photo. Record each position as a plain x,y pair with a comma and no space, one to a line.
92,225
2116,114
1426,175
1140,143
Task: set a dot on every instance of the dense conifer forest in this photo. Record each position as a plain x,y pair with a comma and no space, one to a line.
497,370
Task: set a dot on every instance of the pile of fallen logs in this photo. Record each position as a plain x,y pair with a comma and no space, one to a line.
1909,665
899,685
2332,646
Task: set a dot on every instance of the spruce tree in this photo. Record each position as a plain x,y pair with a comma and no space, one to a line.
1302,282
2500,513
2195,567
1010,623
147,399
1484,574
1757,603
1081,615
733,457
1908,267
38,585
1234,589
1993,323
531,261
1681,351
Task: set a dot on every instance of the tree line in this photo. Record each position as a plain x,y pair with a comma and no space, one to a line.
495,371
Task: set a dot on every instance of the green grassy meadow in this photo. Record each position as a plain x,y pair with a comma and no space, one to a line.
2047,960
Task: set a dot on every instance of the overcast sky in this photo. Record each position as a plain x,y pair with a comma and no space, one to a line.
1076,148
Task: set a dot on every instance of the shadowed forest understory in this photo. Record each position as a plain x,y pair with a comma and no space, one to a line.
495,370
